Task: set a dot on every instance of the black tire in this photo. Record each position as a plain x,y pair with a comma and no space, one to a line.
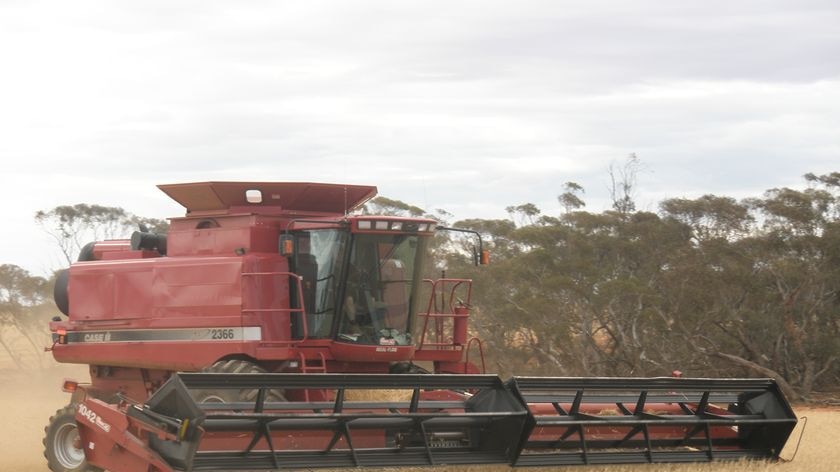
235,366
407,368
62,446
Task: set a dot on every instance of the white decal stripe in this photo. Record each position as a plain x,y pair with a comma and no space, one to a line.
252,333
220,334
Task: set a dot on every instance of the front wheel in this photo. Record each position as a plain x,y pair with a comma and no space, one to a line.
63,445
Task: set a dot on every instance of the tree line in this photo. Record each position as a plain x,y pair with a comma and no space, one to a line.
710,286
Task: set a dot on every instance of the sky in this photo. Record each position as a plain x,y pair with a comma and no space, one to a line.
469,107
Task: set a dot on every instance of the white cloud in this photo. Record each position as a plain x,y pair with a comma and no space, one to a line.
467,106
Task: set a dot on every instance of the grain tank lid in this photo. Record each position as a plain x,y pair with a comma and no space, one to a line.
290,196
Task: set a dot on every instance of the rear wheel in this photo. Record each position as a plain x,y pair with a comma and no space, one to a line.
235,366
63,445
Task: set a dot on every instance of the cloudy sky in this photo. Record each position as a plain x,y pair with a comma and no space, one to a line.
464,106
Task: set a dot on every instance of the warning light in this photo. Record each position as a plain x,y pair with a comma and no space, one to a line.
69,386
287,245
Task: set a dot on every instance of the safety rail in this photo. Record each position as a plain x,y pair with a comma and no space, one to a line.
300,310
435,312
477,342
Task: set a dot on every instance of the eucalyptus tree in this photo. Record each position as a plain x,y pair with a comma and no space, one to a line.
73,226
21,294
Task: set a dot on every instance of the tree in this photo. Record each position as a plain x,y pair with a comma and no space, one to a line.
769,290
387,206
622,184
526,213
710,217
574,294
754,283
569,199
20,295
799,245
73,226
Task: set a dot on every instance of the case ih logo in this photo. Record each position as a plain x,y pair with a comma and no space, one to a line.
98,337
94,418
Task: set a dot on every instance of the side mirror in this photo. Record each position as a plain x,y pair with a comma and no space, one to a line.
480,256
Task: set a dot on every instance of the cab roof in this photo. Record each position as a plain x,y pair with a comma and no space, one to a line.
302,197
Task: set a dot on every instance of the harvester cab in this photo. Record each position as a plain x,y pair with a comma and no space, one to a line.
361,279
238,340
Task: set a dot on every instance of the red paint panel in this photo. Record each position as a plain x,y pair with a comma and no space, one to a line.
265,295
160,287
103,248
107,290
224,240
188,292
362,352
197,287
107,439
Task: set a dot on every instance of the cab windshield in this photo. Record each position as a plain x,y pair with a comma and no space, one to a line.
375,305
381,275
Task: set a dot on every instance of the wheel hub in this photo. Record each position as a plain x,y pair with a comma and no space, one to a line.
68,446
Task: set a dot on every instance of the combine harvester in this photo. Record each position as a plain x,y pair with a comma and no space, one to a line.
242,338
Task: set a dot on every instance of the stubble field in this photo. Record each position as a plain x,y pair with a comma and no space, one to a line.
28,400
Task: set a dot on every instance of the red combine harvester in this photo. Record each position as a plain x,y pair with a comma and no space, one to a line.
242,338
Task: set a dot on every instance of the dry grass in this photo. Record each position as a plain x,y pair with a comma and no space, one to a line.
379,395
29,399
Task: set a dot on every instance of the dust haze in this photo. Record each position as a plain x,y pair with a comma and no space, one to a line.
30,397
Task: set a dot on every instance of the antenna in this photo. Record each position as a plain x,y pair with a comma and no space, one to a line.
345,202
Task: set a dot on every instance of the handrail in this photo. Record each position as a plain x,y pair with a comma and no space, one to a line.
435,283
433,305
301,309
480,353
